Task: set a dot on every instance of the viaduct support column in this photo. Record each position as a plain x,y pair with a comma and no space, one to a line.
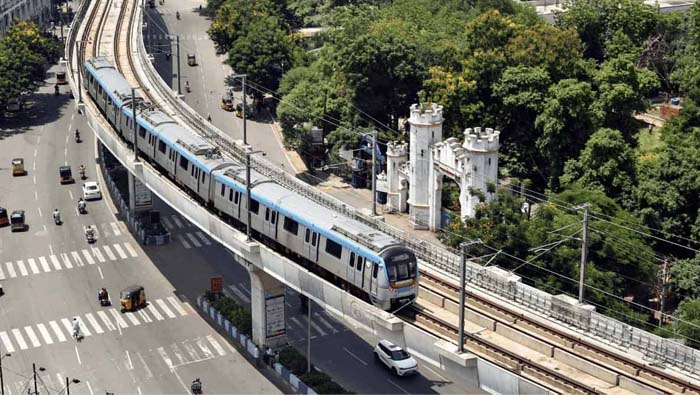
267,309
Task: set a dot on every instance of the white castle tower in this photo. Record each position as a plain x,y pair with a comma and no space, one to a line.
397,190
480,168
426,129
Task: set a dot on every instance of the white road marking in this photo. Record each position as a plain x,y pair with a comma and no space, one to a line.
176,304
166,222
34,166
297,322
144,316
105,319
40,213
77,259
45,333
115,228
216,345
239,293
84,328
36,195
132,318
93,322
87,255
20,340
117,317
165,357
397,386
71,192
129,365
177,221
355,356
60,379
149,374
178,354
33,266
7,344
22,269
326,323
165,308
316,327
57,331
137,387
109,252
155,312
203,237
88,383
99,270
77,355
32,336
67,324
190,350
66,260
44,264
98,255
207,352
10,270
34,179
184,242
55,262
35,150
51,250
193,240
131,249
2,274
119,250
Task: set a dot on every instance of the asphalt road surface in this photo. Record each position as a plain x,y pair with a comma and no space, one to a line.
50,275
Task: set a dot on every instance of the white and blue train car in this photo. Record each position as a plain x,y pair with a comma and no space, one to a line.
366,261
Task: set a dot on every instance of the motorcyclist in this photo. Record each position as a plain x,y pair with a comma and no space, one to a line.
81,205
208,117
89,232
82,171
196,386
102,295
76,328
177,14
55,89
56,216
77,134
187,86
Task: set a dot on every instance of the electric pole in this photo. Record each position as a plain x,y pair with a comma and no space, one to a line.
374,173
463,290
662,297
584,252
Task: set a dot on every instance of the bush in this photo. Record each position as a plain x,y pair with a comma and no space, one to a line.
239,317
293,360
322,383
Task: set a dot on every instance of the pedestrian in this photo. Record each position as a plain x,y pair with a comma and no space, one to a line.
651,128
268,357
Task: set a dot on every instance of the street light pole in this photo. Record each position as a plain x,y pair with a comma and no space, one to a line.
135,128
179,87
308,336
374,173
584,253
36,389
2,381
245,126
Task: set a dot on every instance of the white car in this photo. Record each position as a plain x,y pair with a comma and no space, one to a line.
395,358
91,190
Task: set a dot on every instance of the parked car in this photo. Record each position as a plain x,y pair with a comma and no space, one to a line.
395,358
91,190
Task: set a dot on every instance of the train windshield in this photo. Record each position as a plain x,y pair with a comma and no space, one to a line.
401,266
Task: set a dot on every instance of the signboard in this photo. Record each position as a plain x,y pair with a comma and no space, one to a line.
142,195
217,284
274,316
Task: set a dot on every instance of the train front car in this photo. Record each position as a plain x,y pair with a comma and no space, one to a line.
402,271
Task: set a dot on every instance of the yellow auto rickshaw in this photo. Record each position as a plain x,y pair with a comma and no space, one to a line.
18,167
131,298
4,220
227,101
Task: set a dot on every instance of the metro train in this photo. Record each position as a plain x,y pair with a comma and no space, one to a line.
365,261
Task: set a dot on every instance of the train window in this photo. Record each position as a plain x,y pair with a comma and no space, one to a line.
223,189
142,131
183,162
360,263
313,239
254,206
375,270
236,197
161,146
230,195
352,259
334,248
291,226
308,233
267,213
192,171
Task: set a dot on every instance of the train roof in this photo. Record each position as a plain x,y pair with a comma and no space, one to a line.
367,241
197,150
108,75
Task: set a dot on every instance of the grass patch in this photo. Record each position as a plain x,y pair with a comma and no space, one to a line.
648,142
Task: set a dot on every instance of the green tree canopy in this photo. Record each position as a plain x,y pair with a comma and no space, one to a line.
688,323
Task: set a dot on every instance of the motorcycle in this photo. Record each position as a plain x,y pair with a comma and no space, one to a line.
196,386
187,87
57,217
177,15
77,136
90,234
82,207
82,174
103,297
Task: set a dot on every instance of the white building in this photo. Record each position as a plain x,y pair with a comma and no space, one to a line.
20,10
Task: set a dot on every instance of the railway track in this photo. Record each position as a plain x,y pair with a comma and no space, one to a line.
512,320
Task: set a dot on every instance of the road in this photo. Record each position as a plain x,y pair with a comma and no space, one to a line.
50,275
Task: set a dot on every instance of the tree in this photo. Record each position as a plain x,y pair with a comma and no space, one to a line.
688,321
566,122
262,53
607,163
685,278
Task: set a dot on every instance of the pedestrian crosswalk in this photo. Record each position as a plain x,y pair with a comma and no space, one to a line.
322,324
91,323
67,260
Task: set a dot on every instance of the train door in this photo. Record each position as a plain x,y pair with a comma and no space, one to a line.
360,271
270,223
311,245
373,279
350,274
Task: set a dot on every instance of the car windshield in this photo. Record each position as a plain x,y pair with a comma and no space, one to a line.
399,355
92,187
401,268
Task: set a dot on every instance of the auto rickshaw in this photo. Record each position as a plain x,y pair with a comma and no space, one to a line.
239,111
131,298
65,175
191,60
17,221
4,221
18,167
61,77
227,101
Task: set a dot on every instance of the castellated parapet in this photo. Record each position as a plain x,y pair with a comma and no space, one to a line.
484,141
421,115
